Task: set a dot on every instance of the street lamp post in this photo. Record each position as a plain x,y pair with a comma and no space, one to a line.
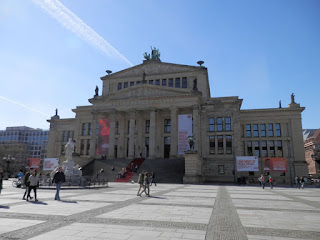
8,160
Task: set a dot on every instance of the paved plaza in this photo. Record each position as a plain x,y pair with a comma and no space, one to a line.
173,212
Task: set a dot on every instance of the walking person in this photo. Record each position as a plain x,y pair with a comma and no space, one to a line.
262,180
26,183
1,179
153,179
33,181
140,182
58,179
271,182
297,180
301,182
146,183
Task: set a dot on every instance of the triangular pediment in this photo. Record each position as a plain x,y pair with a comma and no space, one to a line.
151,67
147,91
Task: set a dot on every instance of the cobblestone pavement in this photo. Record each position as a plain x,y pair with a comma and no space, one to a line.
174,211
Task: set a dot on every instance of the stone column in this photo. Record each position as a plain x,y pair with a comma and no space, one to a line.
131,134
152,134
196,132
174,133
112,117
93,137
121,140
139,131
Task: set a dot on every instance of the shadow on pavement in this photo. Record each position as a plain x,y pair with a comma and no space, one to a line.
38,203
5,207
65,201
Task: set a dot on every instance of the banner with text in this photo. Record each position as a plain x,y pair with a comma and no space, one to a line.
247,163
275,164
184,130
103,137
33,163
50,164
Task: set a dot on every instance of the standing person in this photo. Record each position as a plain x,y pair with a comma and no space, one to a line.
262,181
271,182
153,179
302,182
26,183
34,180
146,184
58,179
140,182
297,180
1,179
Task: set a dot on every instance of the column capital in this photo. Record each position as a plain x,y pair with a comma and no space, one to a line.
174,108
152,109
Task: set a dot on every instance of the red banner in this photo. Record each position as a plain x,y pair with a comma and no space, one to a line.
33,162
103,138
276,164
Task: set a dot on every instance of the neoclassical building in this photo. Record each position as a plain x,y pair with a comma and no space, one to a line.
150,109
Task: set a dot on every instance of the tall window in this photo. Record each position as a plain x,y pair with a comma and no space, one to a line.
82,146
256,148
249,148
264,149
125,85
219,124
227,123
278,130
170,82
158,82
128,127
89,129
131,84
64,138
117,127
229,144
147,126
279,148
248,130
84,129
220,144
271,148
270,130
97,128
138,82
167,125
177,85
263,130
184,82
119,86
212,145
151,82
164,82
255,130
211,124
88,147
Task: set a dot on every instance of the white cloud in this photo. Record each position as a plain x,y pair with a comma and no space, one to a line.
73,23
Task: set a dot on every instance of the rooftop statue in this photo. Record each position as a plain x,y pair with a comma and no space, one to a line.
155,54
292,98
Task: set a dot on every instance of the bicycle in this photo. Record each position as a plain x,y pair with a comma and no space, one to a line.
17,182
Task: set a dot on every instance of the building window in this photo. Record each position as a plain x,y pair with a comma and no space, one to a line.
227,123
131,84
221,169
279,148
88,147
158,82
184,82
264,149
255,130
89,129
167,125
270,130
64,138
177,85
249,148
151,82
220,144
164,82
138,82
117,127
125,85
263,130
248,130
229,144
97,128
256,148
84,129
170,82
119,86
212,145
147,126
211,124
271,148
219,124
128,127
82,146
278,130
167,140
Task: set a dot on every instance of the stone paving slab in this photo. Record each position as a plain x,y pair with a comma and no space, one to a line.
107,197
181,200
191,194
274,204
259,196
8,225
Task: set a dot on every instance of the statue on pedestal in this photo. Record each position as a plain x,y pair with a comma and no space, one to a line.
292,98
191,142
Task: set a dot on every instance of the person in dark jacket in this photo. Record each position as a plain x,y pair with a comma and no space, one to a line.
58,179
1,178
26,183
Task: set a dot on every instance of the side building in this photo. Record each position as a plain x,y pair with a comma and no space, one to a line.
312,153
142,109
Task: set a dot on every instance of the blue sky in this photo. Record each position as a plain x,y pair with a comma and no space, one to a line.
53,53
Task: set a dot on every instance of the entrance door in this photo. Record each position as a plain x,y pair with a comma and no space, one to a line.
167,145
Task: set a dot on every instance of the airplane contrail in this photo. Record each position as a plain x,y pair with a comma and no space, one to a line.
73,23
24,106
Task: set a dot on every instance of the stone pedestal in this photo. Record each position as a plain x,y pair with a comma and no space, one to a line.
193,167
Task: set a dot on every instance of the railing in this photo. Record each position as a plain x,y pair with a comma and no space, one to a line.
76,181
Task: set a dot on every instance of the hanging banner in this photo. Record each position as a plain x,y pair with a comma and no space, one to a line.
103,137
33,163
247,163
275,164
49,164
184,130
